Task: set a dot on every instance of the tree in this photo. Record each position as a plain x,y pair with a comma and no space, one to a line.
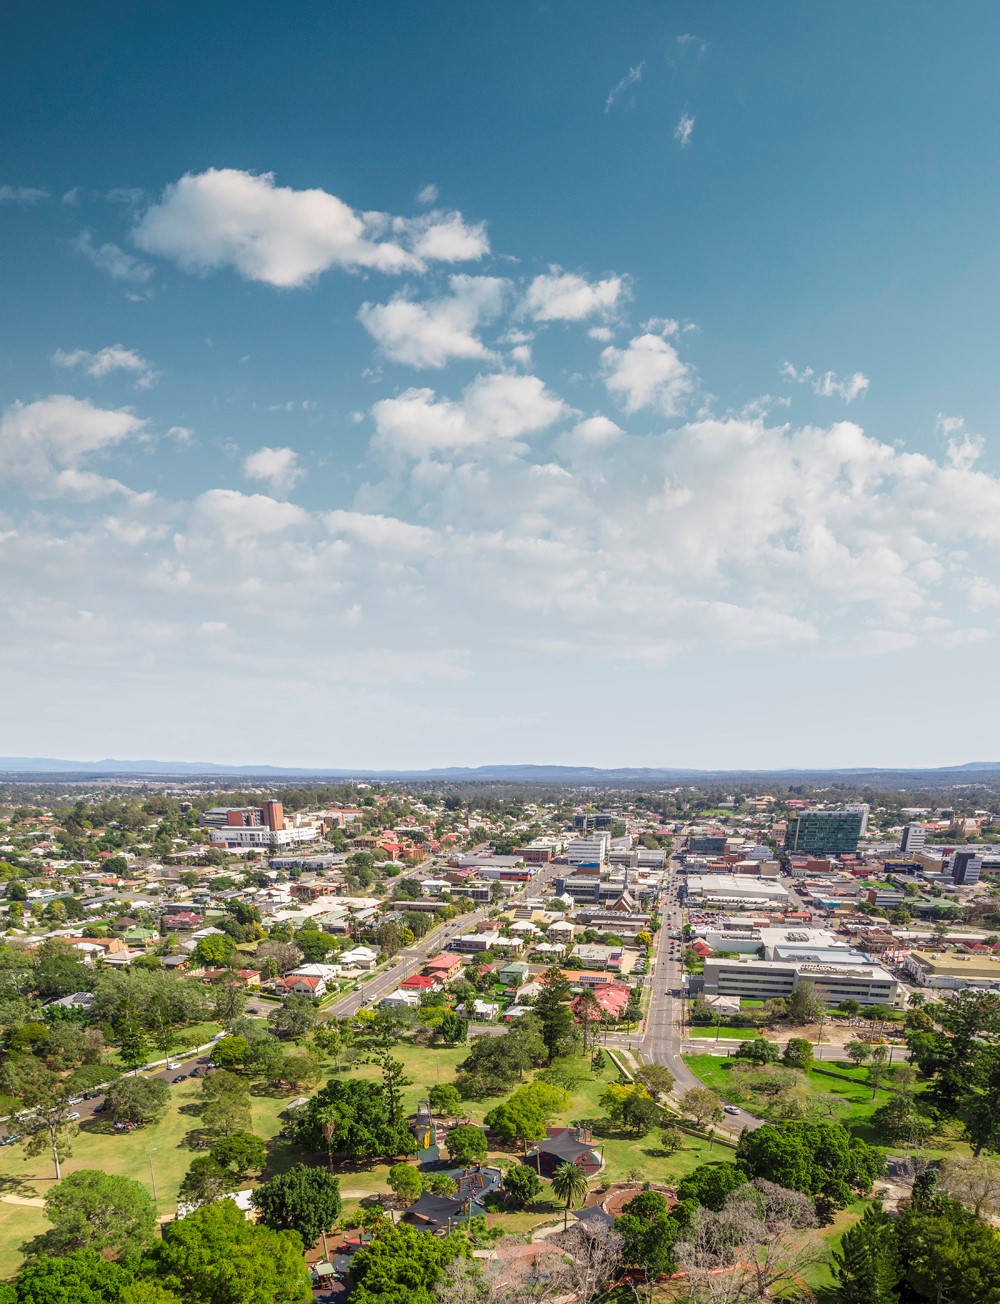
286,955
803,1005
758,1051
899,1120
205,1180
91,1210
130,1039
648,1234
558,1027
569,1183
639,1114
598,1061
44,1092
406,1182
214,1256
362,1128
453,1028
657,1079
818,1158
797,1054
467,1145
702,1104
84,1277
303,1199
524,1116
949,1255
231,1052
521,1186
402,1266
137,1100
752,1249
444,1100
858,1051
240,1153
867,1267
294,1016
972,1182
710,1185
216,951
878,1068
671,1138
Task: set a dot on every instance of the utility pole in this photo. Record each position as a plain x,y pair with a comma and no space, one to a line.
152,1177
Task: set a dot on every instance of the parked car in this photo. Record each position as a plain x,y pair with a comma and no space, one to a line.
72,1116
731,1109
75,1100
181,1077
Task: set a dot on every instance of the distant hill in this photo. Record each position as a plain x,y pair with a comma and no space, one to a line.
21,766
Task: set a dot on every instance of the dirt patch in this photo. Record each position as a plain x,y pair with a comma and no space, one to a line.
613,1199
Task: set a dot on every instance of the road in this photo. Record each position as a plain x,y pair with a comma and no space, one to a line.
662,1041
413,958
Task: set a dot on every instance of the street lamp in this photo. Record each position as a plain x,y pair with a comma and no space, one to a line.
152,1177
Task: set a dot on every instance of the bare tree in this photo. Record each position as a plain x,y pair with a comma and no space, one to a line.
972,1182
752,1247
580,1264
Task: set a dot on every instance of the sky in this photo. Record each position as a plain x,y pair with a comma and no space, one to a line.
398,385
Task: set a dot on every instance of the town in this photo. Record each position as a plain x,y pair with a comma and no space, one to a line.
516,1040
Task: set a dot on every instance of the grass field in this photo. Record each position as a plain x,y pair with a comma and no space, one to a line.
166,1143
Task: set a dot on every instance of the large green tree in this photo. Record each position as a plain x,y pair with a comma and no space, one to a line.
820,1159
137,1100
303,1199
402,1266
867,1266
92,1210
84,1277
357,1116
215,1256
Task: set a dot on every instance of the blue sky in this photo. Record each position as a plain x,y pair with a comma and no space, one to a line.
399,385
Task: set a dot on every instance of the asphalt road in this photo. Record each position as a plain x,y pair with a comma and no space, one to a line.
413,958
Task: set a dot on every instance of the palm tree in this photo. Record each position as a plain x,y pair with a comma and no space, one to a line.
569,1182
328,1117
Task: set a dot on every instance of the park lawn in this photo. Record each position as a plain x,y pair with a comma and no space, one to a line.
723,1033
18,1223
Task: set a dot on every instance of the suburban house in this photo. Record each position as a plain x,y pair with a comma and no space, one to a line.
303,984
400,1000
611,997
444,966
420,982
361,957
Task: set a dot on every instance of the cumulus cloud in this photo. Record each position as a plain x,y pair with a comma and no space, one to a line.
827,384
492,410
647,373
115,357
277,467
382,533
563,296
684,130
631,78
427,194
242,518
110,258
433,333
45,444
286,237
22,195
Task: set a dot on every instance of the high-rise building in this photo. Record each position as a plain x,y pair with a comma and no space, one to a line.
826,832
914,836
273,815
966,866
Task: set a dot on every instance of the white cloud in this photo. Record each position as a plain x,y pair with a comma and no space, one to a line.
285,237
493,409
22,195
227,218
828,384
648,373
277,467
432,333
684,130
688,41
562,296
427,194
115,357
241,518
631,78
384,533
44,444
443,237
113,260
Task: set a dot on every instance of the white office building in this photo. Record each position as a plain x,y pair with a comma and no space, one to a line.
592,850
869,984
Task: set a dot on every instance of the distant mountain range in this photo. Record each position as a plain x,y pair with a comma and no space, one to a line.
569,774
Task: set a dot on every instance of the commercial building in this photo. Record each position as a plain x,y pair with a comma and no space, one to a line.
734,891
953,972
914,836
588,851
966,866
826,832
765,979
257,835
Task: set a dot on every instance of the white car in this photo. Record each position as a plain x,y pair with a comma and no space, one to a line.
71,1117
173,1064
731,1109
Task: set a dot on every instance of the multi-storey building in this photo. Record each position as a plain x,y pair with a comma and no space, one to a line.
826,832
